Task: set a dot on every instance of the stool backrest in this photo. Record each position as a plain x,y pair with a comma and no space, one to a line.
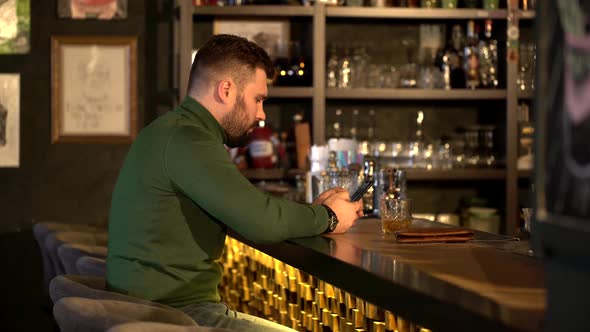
76,314
91,266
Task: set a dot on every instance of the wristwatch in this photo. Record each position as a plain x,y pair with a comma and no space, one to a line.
332,220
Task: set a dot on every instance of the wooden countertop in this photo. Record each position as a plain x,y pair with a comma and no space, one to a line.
478,285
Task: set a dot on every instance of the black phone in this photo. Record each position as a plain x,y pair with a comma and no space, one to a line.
361,190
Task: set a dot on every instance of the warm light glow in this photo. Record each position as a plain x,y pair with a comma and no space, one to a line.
420,117
261,123
300,72
283,73
301,65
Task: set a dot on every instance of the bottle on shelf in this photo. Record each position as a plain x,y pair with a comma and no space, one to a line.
359,66
369,175
371,128
344,70
291,142
452,60
488,58
332,68
471,57
337,125
354,124
526,133
261,148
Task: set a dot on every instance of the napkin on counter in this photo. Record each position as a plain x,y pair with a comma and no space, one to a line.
430,235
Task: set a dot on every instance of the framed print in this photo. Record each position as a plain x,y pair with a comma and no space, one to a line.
92,9
94,89
271,35
15,26
9,120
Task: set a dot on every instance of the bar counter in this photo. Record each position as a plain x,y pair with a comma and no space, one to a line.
488,284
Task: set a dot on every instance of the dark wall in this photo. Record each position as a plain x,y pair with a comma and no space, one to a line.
68,182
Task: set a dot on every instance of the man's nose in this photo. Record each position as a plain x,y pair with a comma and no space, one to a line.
260,115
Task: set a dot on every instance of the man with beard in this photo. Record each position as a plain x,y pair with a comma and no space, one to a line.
178,192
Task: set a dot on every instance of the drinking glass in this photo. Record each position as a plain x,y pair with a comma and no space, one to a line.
396,214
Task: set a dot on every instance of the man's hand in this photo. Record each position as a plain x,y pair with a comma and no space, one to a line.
322,197
346,211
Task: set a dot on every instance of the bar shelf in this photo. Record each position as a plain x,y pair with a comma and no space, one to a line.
410,94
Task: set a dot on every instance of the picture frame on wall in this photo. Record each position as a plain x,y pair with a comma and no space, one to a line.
9,120
92,9
94,89
273,35
15,26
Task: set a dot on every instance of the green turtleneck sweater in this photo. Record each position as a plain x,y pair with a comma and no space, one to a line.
176,195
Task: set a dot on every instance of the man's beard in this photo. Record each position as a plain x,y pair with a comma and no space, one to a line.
236,125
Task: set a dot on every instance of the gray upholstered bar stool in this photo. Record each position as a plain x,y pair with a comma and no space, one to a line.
69,253
77,314
161,327
54,240
91,266
90,287
42,229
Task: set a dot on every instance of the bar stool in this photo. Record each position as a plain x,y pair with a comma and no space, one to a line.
69,253
161,327
55,239
77,314
91,266
42,229
68,285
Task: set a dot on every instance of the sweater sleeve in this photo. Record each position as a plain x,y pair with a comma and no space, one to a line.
201,169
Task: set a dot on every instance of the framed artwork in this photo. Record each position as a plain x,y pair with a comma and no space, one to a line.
92,9
94,89
15,26
9,120
271,35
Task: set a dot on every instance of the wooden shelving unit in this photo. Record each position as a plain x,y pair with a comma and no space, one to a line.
319,15
526,14
254,10
290,92
526,94
415,13
422,94
456,175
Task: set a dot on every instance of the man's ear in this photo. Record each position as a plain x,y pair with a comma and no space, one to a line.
224,90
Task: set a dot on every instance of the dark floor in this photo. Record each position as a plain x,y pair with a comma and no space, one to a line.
25,305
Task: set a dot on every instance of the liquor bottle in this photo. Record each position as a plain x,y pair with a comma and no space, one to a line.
344,70
337,126
471,57
332,68
261,147
291,146
452,60
353,127
369,175
488,58
371,129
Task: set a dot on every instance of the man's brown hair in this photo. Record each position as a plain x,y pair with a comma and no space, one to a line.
229,55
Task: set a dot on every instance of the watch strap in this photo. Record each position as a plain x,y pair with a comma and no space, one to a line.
332,219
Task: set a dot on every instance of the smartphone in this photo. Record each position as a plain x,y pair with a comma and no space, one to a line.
361,190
